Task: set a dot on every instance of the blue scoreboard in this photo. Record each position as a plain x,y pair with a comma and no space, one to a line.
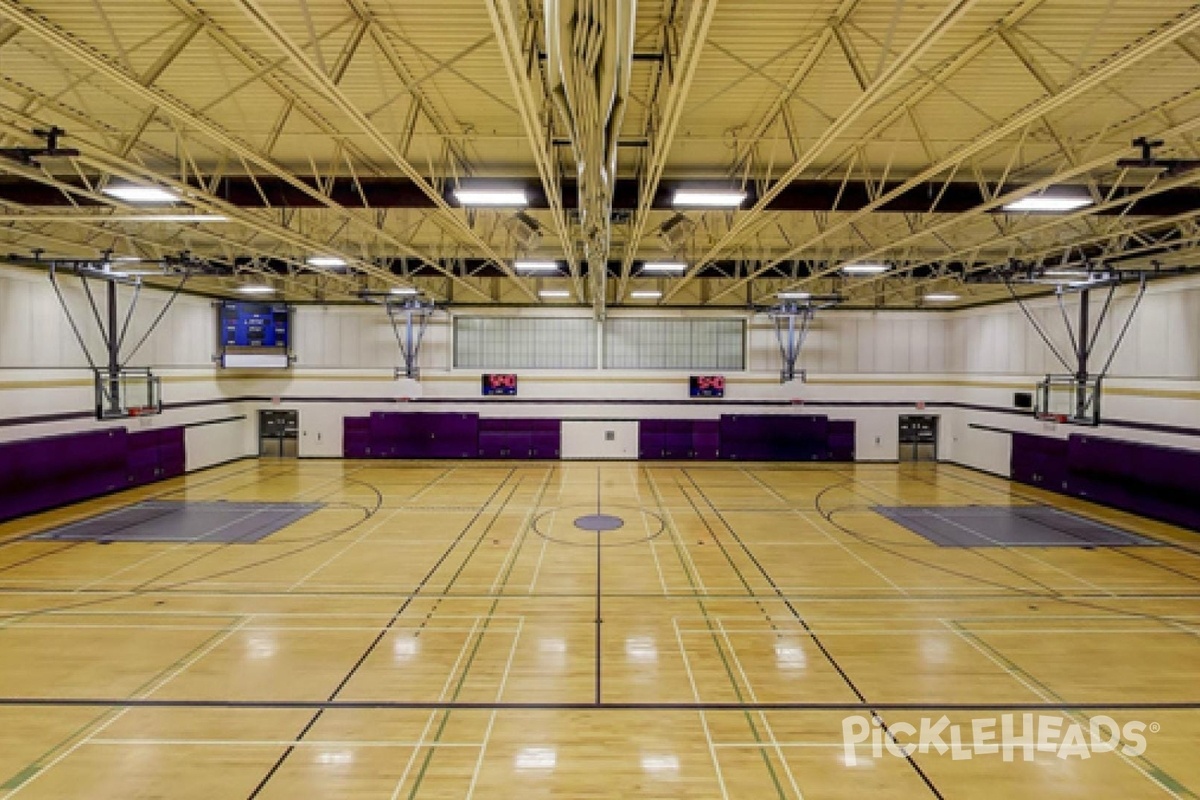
255,334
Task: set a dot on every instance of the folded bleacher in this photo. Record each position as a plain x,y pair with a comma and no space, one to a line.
1154,481
51,471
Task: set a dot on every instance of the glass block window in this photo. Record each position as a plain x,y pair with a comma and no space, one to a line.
524,343
675,344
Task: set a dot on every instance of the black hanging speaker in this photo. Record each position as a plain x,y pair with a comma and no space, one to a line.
1023,400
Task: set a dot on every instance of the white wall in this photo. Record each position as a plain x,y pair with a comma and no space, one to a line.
861,364
1154,378
600,439
44,372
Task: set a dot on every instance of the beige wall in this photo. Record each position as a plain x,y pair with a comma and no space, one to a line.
856,361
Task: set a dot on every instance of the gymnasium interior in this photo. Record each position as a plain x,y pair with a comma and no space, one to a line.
599,399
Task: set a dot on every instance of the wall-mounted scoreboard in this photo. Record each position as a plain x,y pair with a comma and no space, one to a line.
255,334
706,386
499,384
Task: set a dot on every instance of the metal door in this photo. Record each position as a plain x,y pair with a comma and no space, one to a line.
918,438
278,433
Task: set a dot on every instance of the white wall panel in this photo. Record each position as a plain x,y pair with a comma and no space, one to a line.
608,439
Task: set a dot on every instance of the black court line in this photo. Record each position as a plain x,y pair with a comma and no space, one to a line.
388,627
882,595
436,705
599,617
812,634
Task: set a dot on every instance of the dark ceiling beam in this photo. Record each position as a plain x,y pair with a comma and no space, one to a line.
811,195
481,268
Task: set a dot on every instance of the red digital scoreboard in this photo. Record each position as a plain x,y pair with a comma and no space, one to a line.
706,386
497,384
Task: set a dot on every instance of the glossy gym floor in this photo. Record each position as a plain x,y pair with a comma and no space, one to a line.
447,630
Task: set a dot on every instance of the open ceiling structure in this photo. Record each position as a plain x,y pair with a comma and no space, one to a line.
319,146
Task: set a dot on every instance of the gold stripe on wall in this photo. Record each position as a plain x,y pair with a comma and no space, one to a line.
219,377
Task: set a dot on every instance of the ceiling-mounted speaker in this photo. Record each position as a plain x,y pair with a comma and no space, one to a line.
676,231
524,229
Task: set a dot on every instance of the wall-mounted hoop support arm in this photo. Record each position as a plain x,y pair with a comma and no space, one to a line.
1084,336
409,318
793,321
414,316
112,328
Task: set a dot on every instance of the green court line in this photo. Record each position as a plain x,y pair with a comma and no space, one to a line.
1157,772
525,528
34,767
678,541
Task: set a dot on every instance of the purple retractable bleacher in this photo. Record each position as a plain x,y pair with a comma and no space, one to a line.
545,438
650,439
781,437
356,437
155,455
454,435
665,439
519,437
1039,461
386,429
1151,480
56,470
746,438
841,439
393,434
706,440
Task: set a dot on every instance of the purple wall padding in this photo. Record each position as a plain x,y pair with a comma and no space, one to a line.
739,437
841,439
390,434
519,437
781,437
50,471
706,440
356,437
1151,480
671,439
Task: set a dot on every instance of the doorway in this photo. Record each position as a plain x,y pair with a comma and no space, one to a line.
278,434
918,438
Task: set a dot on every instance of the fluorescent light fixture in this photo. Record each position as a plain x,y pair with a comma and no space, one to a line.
701,199
941,297
256,288
1047,203
674,267
126,259
1066,273
645,294
326,261
405,290
511,198
793,295
554,293
536,266
132,193
864,269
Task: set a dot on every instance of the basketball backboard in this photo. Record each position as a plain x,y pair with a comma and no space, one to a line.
127,393
1068,399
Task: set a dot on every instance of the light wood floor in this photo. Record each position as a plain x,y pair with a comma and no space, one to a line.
442,630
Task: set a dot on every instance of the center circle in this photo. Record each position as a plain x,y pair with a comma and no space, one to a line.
599,523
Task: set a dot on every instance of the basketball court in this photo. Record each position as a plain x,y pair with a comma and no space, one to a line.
562,399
